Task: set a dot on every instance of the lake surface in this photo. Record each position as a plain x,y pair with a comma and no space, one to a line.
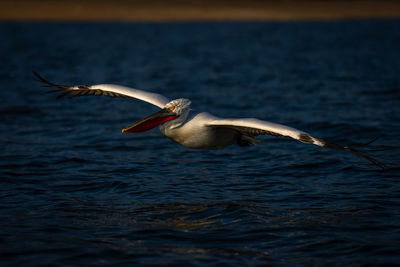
74,190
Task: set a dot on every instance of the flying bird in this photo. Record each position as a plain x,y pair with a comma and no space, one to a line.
197,130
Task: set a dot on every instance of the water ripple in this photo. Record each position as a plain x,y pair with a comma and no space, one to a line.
74,190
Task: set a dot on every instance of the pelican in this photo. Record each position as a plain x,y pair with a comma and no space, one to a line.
196,130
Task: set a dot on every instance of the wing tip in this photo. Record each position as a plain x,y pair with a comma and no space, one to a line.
58,87
365,156
306,138
39,78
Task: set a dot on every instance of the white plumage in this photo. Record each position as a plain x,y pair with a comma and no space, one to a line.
198,130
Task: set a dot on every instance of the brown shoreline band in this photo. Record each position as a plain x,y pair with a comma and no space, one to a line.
179,10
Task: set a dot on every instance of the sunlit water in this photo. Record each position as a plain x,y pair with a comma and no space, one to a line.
74,190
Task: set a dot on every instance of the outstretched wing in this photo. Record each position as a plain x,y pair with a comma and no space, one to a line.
111,90
254,127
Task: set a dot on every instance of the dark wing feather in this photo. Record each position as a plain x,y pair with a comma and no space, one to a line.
111,90
350,149
295,134
74,91
252,132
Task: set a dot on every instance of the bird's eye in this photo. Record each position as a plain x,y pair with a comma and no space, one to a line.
172,107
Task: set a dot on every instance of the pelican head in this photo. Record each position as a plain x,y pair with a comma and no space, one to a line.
173,110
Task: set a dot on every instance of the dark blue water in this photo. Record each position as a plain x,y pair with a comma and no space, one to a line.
74,190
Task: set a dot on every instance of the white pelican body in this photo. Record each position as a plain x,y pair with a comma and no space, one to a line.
195,133
196,130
